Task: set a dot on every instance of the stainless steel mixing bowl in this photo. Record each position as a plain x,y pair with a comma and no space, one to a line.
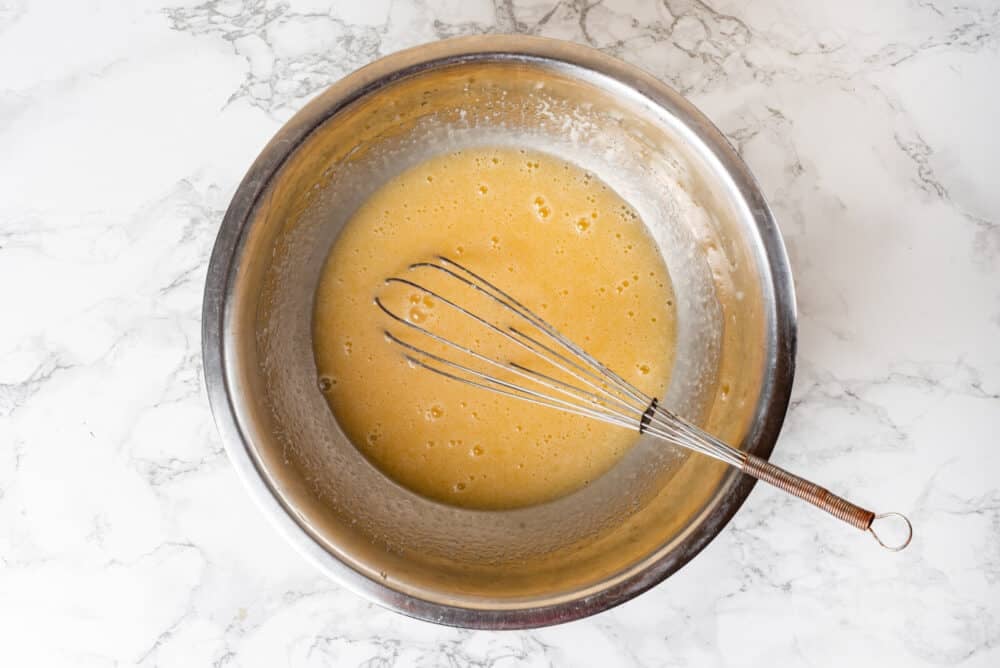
548,563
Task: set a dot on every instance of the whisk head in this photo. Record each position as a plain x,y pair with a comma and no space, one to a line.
510,350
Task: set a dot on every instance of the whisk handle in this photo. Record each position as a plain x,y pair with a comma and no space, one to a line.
842,509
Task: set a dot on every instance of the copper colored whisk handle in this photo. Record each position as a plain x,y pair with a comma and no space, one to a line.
820,497
842,509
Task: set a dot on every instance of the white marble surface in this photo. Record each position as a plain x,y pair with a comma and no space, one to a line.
125,537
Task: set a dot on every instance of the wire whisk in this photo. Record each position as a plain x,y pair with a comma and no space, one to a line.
573,381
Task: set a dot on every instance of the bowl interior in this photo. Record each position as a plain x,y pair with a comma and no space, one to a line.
546,555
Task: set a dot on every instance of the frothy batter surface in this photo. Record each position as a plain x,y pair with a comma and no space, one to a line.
545,231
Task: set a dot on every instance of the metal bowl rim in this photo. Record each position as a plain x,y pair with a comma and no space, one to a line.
781,358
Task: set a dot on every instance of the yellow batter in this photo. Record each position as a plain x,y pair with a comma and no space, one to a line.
550,234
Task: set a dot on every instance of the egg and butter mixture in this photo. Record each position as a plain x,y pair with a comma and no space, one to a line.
545,231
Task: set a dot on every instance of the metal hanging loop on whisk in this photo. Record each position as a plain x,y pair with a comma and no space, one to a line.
586,387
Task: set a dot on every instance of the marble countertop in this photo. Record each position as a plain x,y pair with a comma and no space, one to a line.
125,537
